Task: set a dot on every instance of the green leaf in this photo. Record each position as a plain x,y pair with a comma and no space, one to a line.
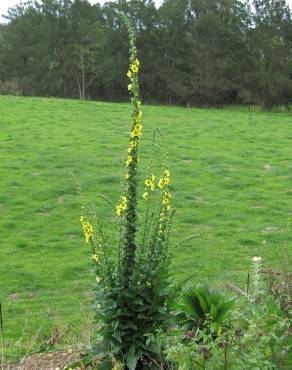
106,364
117,336
131,358
213,311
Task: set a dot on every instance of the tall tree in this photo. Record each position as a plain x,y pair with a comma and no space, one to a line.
88,42
202,52
216,36
271,49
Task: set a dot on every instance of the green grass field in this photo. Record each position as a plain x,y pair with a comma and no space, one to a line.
231,186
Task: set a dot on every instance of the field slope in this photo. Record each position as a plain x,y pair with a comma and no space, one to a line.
231,185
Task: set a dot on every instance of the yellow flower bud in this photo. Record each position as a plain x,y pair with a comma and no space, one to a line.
95,258
161,183
167,173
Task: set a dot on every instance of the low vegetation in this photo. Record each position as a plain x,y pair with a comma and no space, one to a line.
231,187
230,180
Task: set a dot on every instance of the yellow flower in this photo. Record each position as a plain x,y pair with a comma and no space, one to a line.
129,87
129,160
137,62
140,115
165,179
119,210
134,68
87,229
136,132
124,201
138,104
166,194
166,173
161,219
95,258
122,206
127,176
161,183
129,74
165,198
138,126
130,150
146,195
148,183
133,144
165,201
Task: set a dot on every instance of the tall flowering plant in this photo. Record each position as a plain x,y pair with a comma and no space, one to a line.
132,284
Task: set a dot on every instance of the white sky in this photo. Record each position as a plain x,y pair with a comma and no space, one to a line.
5,4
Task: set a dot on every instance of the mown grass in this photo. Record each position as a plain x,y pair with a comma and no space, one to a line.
231,185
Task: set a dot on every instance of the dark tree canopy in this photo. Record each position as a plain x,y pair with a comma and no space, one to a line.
198,52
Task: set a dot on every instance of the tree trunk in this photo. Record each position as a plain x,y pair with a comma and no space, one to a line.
83,84
266,103
79,89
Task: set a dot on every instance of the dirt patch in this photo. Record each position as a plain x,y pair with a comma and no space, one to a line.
267,167
61,199
14,296
44,213
271,229
46,361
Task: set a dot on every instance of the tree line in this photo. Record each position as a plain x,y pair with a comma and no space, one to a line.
197,52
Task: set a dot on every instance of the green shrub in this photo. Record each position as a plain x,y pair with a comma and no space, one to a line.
258,335
203,308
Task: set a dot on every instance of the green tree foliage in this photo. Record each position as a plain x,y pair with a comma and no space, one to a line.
205,53
271,50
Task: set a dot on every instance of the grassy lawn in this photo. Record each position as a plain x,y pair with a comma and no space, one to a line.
231,185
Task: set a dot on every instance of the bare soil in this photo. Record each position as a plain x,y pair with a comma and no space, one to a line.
46,361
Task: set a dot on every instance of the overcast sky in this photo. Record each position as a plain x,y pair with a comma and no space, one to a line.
5,4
